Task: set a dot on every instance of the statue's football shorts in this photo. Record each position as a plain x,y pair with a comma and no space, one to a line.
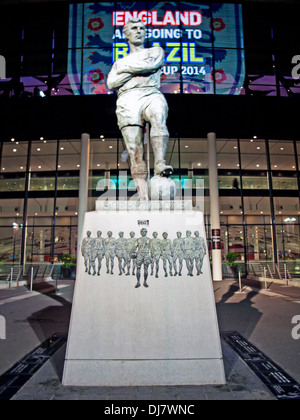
138,106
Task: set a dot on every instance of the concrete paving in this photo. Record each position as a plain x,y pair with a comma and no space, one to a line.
262,317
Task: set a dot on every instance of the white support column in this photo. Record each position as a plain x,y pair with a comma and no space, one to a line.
214,208
83,184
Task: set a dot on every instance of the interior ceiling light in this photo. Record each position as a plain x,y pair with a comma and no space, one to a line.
12,139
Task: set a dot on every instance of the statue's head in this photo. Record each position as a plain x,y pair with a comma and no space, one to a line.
88,233
165,235
132,234
179,234
99,233
154,234
196,234
144,232
135,32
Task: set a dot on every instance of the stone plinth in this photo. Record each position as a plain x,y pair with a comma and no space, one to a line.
164,334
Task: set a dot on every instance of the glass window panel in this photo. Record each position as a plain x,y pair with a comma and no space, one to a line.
39,208
259,246
260,79
41,182
104,152
257,206
282,155
288,241
194,153
36,64
14,156
255,181
253,154
98,28
66,208
38,243
230,206
68,181
229,72
11,225
43,156
11,208
286,27
228,25
69,155
12,182
65,241
286,209
227,154
10,244
281,182
97,64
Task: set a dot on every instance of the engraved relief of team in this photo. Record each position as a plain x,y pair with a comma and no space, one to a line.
133,253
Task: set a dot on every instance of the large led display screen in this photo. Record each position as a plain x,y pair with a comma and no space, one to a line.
203,44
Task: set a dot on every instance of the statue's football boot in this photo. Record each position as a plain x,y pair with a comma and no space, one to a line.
162,169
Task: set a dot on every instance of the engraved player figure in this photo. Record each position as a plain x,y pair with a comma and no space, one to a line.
188,249
155,251
167,253
130,243
136,77
141,252
121,252
99,245
178,254
86,247
110,252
